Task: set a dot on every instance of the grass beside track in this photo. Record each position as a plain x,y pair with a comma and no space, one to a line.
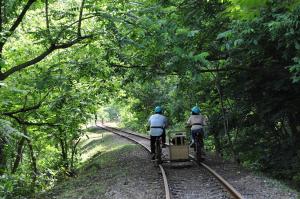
100,168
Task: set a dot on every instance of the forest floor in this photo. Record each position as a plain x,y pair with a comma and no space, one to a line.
112,167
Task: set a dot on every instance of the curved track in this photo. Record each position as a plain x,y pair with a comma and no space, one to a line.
195,181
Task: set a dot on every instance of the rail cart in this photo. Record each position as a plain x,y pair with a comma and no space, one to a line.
178,148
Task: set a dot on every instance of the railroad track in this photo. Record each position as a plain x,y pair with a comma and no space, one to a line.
196,181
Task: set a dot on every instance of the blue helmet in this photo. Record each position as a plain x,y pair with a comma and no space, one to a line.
196,110
158,109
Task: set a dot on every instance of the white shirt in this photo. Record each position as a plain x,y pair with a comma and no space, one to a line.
157,120
196,121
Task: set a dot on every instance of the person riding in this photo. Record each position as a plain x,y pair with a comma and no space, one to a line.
196,121
157,124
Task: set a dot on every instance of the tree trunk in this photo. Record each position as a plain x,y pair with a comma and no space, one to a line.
33,162
2,155
292,120
217,143
74,150
32,157
19,155
64,153
225,121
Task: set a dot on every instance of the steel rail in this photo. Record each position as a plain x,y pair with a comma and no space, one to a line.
166,185
234,193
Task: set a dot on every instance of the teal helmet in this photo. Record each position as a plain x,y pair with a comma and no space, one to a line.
196,110
158,109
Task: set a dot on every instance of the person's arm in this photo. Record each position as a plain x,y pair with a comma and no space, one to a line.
188,123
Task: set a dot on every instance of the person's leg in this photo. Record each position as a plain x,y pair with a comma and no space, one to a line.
202,141
197,139
152,144
164,136
193,133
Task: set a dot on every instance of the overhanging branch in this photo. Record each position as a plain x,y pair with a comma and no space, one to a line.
154,70
23,110
26,109
21,16
125,66
40,57
23,122
17,22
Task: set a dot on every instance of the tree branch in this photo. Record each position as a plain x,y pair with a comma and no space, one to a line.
18,155
40,57
39,124
24,109
1,14
72,42
47,15
20,121
220,69
35,60
4,75
71,24
142,67
1,27
125,66
47,20
21,16
17,22
80,18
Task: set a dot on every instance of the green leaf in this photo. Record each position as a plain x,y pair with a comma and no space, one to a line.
238,42
2,84
225,35
201,56
193,33
182,31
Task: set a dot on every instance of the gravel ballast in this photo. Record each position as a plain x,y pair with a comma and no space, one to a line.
119,169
